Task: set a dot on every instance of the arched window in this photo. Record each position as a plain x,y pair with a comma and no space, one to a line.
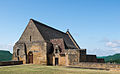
18,51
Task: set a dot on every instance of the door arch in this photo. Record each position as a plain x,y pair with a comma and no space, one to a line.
56,61
30,57
18,54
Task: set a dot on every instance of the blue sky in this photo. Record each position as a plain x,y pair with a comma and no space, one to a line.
93,23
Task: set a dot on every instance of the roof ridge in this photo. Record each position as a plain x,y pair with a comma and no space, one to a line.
71,37
47,26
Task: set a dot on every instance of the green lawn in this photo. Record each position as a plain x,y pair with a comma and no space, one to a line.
38,69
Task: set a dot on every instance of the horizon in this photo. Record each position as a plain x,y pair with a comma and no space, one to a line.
93,24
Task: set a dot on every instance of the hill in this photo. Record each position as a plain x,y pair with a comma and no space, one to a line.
5,55
112,58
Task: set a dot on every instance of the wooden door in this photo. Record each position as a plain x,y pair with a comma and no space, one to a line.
30,57
56,61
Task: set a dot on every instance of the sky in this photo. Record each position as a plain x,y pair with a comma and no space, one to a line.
95,24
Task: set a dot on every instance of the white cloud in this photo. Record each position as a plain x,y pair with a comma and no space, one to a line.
8,47
109,48
101,51
113,44
117,50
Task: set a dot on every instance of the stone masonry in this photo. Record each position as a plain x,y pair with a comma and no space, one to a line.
42,44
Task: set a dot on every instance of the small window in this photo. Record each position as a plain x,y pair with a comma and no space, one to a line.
30,38
18,51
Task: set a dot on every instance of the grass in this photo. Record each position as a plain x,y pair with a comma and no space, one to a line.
39,69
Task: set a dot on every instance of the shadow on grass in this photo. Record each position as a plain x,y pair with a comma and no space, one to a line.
88,68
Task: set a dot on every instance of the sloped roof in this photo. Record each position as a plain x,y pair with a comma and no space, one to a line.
49,33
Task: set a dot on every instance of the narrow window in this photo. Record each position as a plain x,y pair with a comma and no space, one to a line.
30,38
18,51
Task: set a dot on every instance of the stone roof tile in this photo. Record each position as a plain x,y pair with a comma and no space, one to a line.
52,33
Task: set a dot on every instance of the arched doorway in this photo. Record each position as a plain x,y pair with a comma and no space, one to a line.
18,53
56,61
30,57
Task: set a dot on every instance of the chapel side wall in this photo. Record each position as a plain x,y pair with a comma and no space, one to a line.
49,53
82,55
39,53
91,58
22,55
50,59
31,34
63,60
73,56
14,57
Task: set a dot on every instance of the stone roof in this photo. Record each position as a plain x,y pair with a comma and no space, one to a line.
49,33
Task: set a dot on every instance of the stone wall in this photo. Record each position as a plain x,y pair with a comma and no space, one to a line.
100,60
31,33
73,56
105,66
91,58
39,51
10,63
30,36
82,54
63,60
19,53
50,59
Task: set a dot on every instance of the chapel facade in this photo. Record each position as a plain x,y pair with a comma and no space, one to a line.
42,44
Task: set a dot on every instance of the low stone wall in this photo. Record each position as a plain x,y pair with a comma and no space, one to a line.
6,63
105,66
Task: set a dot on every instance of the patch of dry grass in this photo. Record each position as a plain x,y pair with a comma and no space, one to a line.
39,69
